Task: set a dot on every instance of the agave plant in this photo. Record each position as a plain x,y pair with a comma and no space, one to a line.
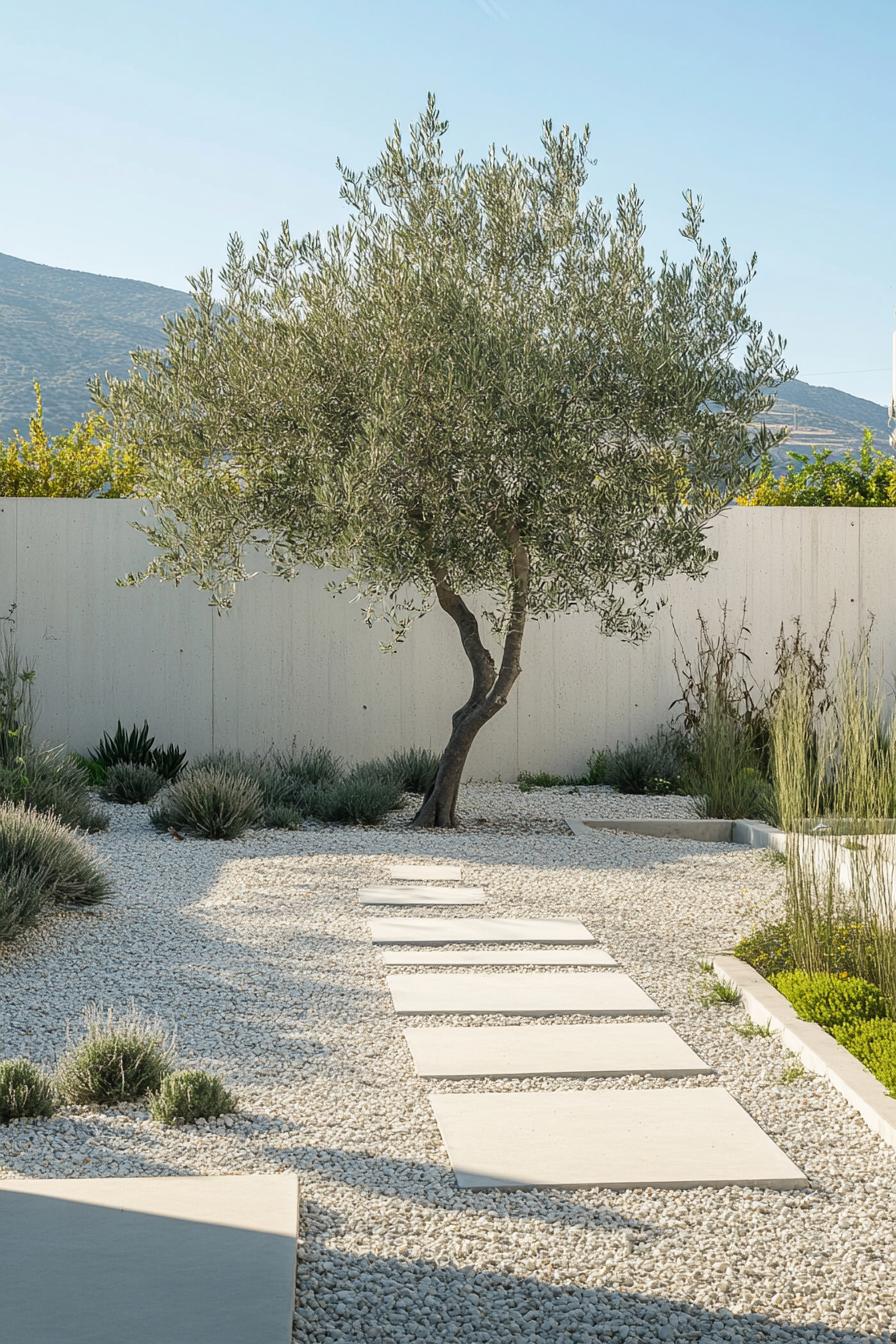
125,747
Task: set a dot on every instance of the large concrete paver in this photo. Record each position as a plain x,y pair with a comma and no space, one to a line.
407,929
496,956
424,872
602,993
148,1260
607,1050
419,895
671,1137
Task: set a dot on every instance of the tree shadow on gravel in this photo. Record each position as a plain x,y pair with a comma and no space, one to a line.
357,1299
432,1186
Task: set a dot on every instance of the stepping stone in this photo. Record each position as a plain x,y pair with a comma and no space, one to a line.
424,872
552,956
148,1260
608,993
670,1137
609,1050
411,895
406,929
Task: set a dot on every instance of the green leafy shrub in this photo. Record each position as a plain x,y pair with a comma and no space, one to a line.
94,771
135,746
22,902
364,795
26,1093
540,779
210,802
596,769
127,783
873,1042
655,765
79,463
59,860
866,478
120,1058
767,949
830,1000
189,1095
415,768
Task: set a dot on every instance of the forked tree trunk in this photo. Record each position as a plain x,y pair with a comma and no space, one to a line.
489,692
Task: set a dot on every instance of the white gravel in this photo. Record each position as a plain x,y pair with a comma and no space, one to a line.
259,954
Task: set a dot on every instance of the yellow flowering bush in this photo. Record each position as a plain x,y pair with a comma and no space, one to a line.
866,479
74,465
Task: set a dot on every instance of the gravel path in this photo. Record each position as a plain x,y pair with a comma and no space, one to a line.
259,953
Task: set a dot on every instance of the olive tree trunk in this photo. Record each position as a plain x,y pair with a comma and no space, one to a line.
491,687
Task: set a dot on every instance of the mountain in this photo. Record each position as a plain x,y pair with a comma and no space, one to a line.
825,417
62,327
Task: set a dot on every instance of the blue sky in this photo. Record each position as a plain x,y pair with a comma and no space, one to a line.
135,138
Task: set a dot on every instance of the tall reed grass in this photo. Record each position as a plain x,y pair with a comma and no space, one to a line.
834,773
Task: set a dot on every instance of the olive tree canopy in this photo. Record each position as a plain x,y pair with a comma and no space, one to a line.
476,386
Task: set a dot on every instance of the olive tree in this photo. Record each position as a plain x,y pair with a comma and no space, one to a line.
476,392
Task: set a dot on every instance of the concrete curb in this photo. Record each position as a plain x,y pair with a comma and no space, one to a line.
819,1052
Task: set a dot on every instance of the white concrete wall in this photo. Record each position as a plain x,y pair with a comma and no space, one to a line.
291,660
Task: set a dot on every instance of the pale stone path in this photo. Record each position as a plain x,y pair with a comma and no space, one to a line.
665,1137
419,895
531,993
670,1137
406,929
605,1050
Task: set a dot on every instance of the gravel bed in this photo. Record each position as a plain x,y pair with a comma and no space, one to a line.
259,954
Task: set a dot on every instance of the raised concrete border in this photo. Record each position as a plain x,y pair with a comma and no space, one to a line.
819,1052
148,1260
756,834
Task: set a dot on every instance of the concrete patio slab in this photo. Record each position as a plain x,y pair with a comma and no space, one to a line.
608,1050
663,1137
416,895
407,929
424,872
496,956
607,993
148,1260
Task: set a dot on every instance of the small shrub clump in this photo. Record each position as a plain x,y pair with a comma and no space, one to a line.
415,768
128,783
38,853
26,1093
120,1058
873,1042
53,784
22,902
210,802
830,1000
654,766
767,949
189,1095
364,795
